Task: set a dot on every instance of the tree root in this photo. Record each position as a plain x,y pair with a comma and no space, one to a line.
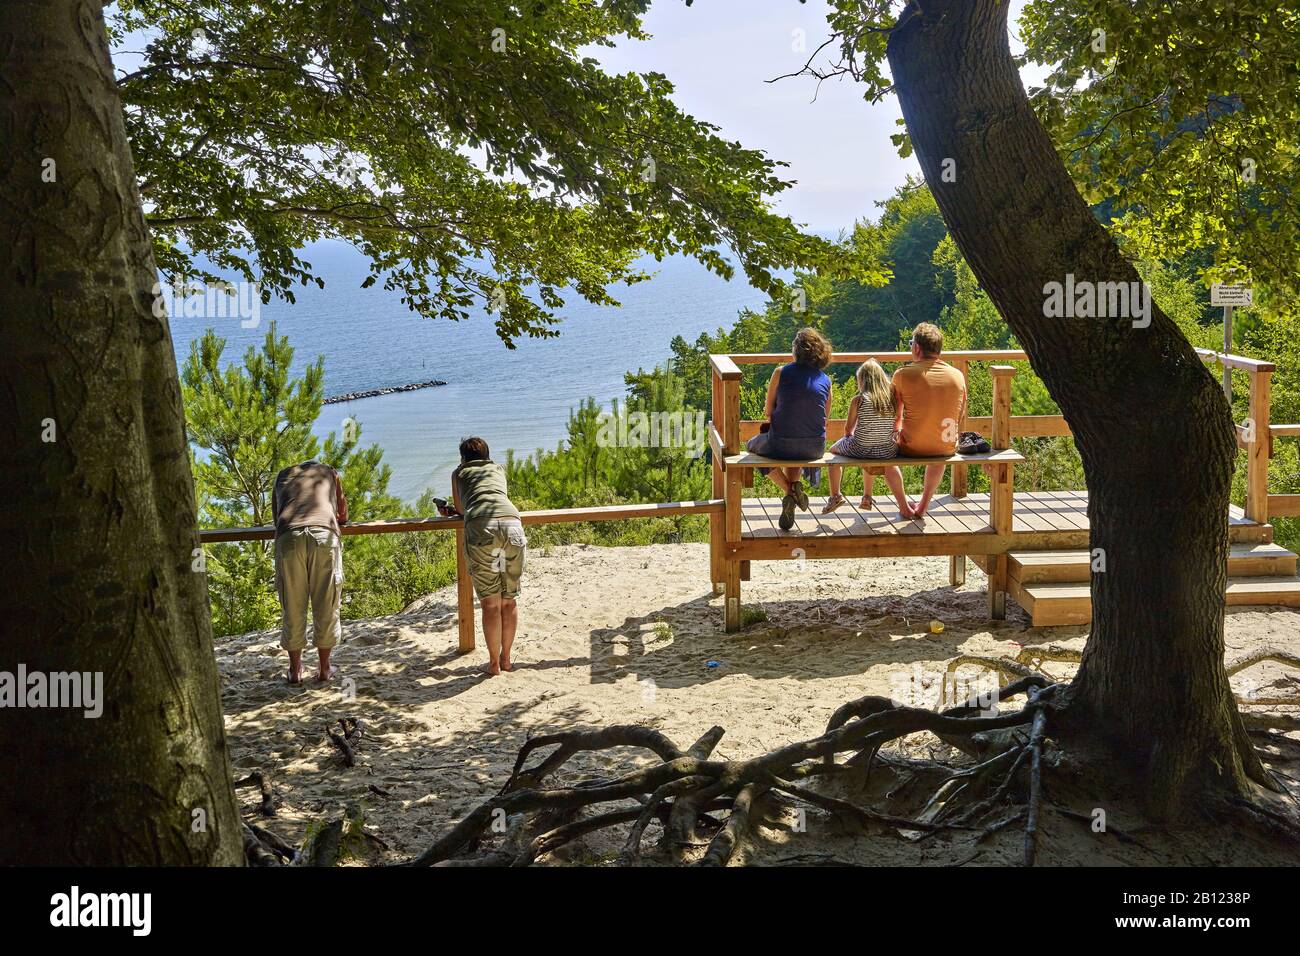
684,785
1268,654
346,742
263,783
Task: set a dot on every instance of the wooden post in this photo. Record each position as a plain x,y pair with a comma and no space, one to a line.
464,595
731,583
731,514
717,530
1001,489
959,472
1258,450
957,562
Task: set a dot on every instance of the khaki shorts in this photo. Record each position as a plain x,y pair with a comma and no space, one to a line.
309,571
495,548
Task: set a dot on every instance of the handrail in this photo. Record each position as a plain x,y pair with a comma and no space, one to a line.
659,509
1235,361
977,355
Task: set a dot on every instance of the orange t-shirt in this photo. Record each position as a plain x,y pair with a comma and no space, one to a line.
933,395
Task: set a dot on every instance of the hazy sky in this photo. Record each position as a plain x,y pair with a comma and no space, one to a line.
719,52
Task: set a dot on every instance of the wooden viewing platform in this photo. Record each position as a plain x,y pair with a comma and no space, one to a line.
1031,544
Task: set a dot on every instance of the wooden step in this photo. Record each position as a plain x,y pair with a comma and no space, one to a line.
1060,603
1283,591
1055,567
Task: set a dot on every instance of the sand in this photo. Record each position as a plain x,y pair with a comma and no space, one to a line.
633,635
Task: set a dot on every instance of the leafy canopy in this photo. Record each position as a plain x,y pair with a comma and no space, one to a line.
1184,118
470,148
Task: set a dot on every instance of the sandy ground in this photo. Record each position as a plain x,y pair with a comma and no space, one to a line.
630,635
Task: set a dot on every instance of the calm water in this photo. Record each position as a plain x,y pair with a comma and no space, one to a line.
515,399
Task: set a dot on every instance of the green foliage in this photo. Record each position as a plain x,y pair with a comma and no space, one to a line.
245,423
644,449
1186,119
470,148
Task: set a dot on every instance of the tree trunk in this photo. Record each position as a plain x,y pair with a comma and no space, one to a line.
1152,426
99,540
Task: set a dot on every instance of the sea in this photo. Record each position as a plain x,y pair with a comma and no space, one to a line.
514,398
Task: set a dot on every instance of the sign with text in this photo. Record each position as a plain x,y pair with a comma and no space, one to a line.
1237,295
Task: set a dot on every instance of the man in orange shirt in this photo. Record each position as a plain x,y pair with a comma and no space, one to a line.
933,396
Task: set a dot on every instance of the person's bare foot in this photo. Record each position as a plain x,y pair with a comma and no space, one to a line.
293,678
918,510
505,664
490,669
324,675
906,511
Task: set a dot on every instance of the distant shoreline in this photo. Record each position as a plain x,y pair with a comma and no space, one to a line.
374,392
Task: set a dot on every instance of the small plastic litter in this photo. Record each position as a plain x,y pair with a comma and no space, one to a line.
936,627
713,663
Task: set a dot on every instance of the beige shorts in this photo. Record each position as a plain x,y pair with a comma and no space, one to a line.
495,548
309,571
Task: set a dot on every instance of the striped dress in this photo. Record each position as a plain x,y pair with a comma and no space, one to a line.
872,435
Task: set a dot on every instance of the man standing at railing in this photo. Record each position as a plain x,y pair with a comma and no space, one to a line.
309,505
933,395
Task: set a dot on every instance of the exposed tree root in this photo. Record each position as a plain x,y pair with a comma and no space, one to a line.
258,779
1277,656
683,786
1030,661
346,741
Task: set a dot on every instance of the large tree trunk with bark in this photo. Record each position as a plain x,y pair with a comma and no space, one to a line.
98,554
1152,426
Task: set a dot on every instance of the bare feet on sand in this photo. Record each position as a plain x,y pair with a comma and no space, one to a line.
505,663
490,669
324,675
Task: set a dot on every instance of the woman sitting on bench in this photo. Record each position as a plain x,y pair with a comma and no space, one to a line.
871,431
798,402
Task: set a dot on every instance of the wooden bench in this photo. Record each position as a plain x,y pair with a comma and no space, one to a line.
750,460
733,470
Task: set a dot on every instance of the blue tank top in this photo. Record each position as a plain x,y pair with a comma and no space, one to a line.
800,408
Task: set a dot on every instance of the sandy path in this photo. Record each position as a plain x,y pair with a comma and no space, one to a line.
617,636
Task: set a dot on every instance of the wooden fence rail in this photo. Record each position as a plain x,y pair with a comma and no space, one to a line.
464,587
728,431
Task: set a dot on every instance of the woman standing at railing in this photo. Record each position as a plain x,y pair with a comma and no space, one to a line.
495,546
798,403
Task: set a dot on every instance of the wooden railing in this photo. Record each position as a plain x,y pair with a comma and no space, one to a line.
1256,436
729,431
464,586
726,368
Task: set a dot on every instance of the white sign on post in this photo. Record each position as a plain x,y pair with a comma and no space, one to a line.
1234,295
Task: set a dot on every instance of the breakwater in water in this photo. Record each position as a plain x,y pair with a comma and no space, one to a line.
372,393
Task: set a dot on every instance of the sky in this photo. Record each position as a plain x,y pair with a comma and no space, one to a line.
718,53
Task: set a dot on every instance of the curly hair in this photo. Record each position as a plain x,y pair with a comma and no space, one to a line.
811,348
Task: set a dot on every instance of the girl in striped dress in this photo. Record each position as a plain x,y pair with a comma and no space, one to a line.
871,431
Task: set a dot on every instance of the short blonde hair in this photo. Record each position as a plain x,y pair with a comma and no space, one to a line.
929,337
811,348
874,386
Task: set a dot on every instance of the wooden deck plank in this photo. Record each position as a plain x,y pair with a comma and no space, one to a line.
971,517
